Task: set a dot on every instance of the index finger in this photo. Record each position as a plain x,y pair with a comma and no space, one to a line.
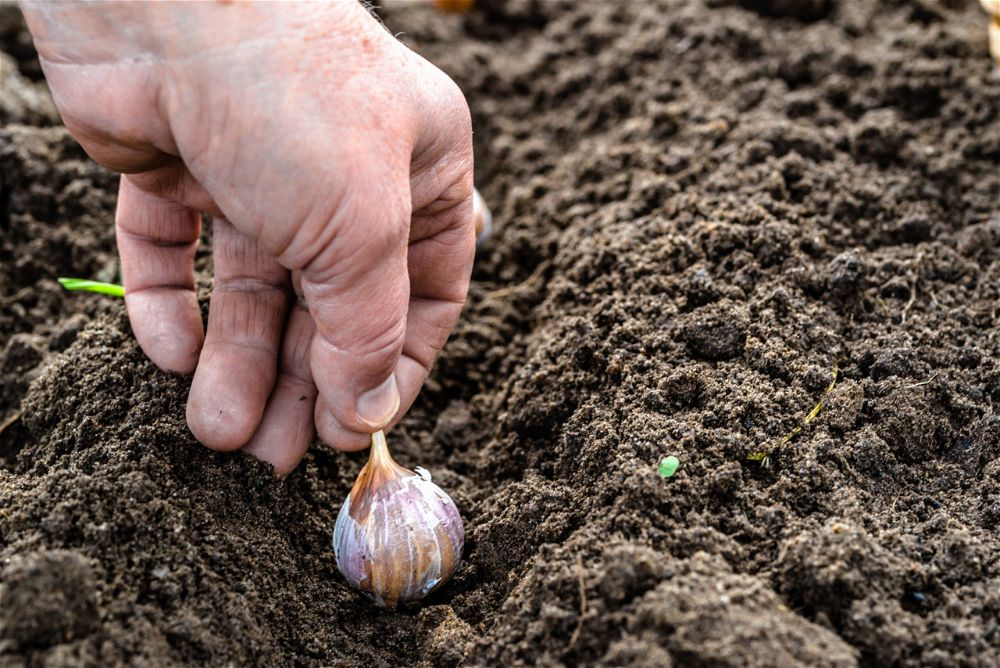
157,238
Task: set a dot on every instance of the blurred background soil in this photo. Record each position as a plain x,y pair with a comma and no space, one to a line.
704,208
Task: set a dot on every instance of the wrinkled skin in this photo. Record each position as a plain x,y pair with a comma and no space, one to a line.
337,165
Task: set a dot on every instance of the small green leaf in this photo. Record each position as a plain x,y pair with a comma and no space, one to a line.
668,466
92,286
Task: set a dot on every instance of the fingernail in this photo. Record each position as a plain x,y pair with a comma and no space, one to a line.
377,407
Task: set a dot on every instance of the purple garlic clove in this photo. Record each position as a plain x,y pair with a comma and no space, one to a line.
398,536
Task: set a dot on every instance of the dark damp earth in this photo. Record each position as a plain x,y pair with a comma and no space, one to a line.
703,208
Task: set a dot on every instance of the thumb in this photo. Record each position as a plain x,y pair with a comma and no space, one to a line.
358,291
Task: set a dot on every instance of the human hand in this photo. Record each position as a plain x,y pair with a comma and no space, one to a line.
334,161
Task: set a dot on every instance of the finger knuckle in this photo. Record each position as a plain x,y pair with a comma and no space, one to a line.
377,344
369,234
453,102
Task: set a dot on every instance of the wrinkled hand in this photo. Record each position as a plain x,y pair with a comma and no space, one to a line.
337,165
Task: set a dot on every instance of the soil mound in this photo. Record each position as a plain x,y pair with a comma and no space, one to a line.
707,211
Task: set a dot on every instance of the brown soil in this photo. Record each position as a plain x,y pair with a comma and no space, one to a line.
703,208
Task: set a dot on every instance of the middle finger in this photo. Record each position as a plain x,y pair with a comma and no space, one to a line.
238,363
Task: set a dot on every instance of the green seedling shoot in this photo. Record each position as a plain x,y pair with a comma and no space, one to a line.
92,286
668,466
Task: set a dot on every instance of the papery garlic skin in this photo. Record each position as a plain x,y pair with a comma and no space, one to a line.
398,536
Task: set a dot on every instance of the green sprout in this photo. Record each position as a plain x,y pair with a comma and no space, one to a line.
92,286
668,466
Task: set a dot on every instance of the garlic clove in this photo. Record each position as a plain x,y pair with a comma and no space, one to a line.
482,218
398,536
